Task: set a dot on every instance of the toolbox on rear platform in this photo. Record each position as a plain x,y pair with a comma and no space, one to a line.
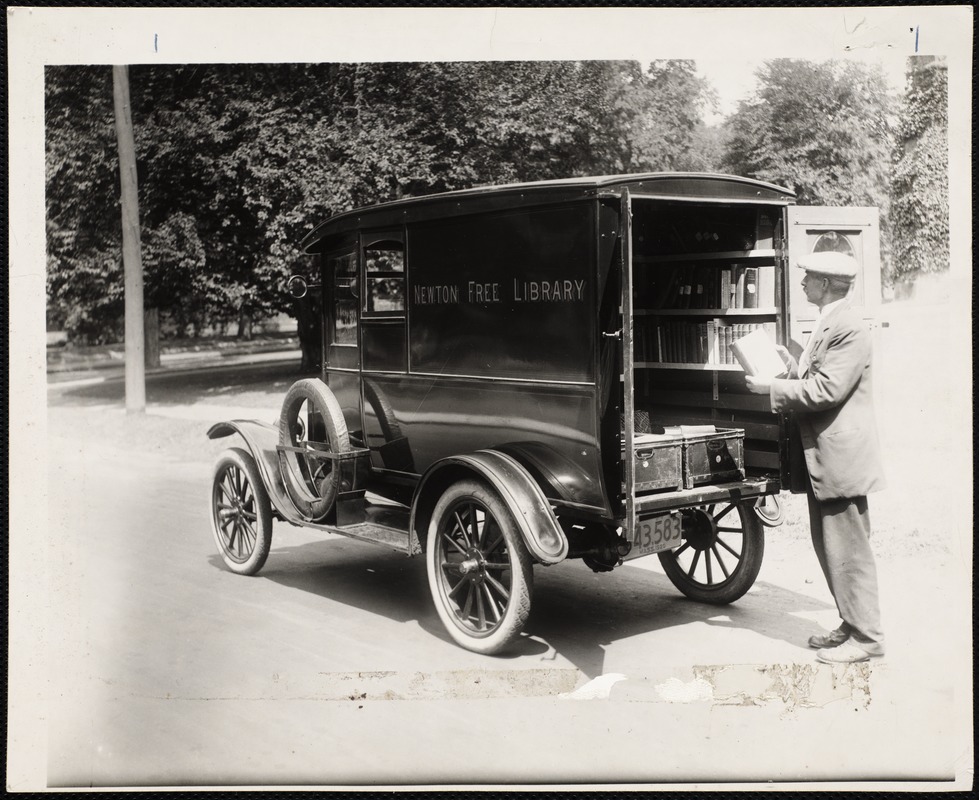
711,456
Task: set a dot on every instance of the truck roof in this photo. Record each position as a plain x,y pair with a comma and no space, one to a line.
660,185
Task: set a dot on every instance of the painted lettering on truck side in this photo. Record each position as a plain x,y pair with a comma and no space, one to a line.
542,291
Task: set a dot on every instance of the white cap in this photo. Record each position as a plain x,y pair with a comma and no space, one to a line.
832,265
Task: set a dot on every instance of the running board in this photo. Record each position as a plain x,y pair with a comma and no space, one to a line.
379,524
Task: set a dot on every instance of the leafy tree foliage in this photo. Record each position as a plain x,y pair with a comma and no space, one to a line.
919,185
821,129
666,107
84,254
236,164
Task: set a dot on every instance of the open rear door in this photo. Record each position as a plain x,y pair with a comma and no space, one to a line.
813,229
628,362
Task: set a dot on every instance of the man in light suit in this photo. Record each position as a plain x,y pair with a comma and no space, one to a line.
829,392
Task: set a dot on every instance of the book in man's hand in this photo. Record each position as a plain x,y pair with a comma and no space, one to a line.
757,355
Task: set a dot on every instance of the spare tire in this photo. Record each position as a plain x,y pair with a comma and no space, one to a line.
311,481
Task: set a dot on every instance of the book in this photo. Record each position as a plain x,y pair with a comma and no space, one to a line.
750,287
686,288
663,288
764,231
699,299
766,287
725,299
725,344
757,355
703,344
652,438
688,430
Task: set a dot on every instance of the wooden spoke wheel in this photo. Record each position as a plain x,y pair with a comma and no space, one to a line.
241,514
721,553
479,570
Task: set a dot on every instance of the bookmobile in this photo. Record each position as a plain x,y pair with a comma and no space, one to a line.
518,375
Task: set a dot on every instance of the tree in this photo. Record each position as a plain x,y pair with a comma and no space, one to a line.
819,128
84,234
131,254
919,186
237,165
666,106
707,148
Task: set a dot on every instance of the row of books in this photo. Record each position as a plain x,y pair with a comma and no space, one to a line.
681,342
708,286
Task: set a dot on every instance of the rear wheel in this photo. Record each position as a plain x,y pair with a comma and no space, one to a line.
721,554
479,571
241,514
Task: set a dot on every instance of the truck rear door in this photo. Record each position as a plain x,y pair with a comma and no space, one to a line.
813,229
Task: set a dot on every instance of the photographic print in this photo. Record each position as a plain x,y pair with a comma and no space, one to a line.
516,398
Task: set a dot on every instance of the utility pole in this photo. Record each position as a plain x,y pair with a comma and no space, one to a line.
131,258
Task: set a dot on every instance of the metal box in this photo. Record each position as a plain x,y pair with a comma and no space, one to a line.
658,463
713,457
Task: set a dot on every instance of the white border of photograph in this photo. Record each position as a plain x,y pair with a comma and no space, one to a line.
728,43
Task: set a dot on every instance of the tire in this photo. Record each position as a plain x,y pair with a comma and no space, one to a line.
241,514
697,568
480,576
311,482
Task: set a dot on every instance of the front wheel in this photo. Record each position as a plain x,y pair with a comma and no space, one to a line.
721,553
241,514
479,571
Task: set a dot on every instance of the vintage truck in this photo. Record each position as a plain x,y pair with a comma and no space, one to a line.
518,375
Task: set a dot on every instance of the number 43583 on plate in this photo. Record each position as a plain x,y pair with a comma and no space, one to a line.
655,534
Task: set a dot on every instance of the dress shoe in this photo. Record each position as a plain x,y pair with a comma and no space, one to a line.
849,653
831,639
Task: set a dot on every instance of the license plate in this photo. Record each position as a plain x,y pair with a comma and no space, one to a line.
655,534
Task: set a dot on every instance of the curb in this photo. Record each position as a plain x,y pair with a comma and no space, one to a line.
109,372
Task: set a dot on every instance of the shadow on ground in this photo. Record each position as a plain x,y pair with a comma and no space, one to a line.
576,612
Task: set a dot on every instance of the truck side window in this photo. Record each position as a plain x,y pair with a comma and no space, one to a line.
344,270
384,267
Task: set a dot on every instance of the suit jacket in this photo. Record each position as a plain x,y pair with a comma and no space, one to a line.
833,405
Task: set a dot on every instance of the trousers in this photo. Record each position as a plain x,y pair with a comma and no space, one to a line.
841,538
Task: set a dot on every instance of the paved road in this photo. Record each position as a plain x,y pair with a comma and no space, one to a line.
331,667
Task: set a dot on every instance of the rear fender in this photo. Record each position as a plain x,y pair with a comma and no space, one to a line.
531,510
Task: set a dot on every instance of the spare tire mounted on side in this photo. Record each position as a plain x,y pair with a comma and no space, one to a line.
311,480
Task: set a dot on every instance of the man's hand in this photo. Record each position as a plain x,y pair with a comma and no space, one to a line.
758,385
791,365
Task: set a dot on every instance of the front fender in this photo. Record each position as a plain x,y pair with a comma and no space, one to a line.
531,510
262,440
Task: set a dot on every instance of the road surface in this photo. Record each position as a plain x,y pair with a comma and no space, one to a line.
331,668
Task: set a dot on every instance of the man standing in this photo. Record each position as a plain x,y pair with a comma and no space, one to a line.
829,390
